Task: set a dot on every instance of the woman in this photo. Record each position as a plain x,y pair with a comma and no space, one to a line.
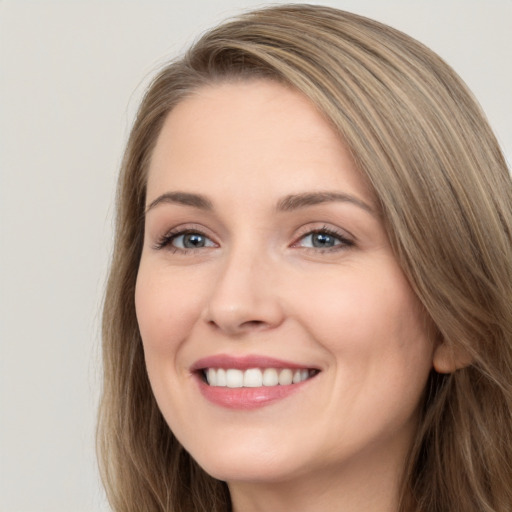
309,305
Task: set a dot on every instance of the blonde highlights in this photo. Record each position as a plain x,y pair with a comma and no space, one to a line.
445,195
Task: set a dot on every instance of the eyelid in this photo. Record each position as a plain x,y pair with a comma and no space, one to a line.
346,239
165,241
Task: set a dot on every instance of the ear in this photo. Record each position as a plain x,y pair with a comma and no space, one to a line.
447,358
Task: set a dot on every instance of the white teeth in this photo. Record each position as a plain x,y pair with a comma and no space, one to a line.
285,377
221,377
255,377
211,376
234,378
270,377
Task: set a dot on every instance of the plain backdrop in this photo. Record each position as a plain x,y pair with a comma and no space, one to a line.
71,75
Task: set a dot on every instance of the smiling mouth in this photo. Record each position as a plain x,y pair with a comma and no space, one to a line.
256,377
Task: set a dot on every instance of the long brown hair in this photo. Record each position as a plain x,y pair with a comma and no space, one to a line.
421,140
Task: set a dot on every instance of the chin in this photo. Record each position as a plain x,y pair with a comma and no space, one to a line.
248,467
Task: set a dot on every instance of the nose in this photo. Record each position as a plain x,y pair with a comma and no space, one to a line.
245,297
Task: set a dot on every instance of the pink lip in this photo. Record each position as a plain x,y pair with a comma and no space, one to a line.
243,363
245,398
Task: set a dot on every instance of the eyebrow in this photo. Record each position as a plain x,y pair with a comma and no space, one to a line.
288,203
183,198
296,201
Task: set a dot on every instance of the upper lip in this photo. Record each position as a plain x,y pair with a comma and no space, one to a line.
245,362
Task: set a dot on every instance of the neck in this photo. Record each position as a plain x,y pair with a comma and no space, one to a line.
357,486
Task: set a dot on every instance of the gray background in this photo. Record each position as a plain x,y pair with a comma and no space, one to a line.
71,75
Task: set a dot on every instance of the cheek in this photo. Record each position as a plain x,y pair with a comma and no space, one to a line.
360,309
166,315
165,312
382,354
374,327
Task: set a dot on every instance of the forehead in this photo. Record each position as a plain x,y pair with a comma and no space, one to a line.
257,133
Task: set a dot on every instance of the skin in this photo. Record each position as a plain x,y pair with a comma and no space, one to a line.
258,285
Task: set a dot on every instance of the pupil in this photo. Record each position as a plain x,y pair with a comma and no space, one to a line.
322,240
193,240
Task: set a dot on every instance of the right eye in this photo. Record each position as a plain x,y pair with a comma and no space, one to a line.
184,241
191,241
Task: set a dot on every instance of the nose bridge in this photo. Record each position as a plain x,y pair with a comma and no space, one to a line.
243,297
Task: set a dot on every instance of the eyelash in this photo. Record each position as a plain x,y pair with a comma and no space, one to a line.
166,241
344,242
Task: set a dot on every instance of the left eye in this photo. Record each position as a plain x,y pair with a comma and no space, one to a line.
191,240
322,240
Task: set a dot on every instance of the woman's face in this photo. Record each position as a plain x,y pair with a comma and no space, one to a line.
267,270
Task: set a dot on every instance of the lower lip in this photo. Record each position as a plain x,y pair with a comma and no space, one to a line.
247,398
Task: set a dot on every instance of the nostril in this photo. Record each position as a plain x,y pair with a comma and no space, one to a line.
250,325
253,324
